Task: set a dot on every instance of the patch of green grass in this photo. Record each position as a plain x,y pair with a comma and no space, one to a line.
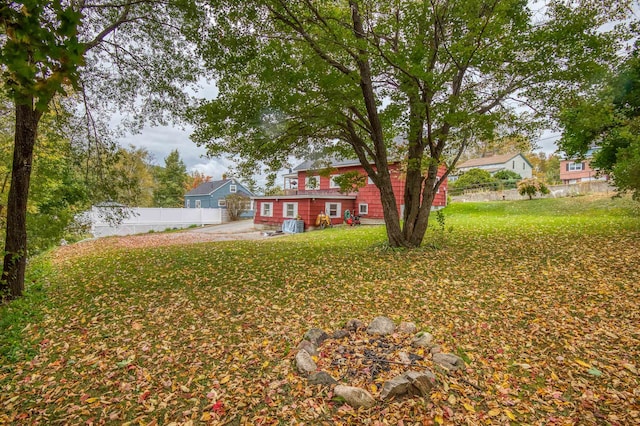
19,318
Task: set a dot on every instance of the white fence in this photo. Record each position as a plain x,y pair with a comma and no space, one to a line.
106,221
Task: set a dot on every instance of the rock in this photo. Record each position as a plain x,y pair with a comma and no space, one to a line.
409,383
354,325
407,327
436,349
354,396
404,358
316,336
322,378
339,334
422,382
309,347
305,363
396,387
450,362
423,339
381,326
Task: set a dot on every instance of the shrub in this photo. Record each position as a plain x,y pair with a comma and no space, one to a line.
507,175
531,187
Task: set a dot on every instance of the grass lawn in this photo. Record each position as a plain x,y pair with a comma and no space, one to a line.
541,298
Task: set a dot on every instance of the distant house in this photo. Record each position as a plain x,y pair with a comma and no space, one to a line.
513,162
575,171
307,194
211,195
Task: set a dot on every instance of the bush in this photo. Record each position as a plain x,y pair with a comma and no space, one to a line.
507,175
531,187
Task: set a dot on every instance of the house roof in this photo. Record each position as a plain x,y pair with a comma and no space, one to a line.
207,188
496,160
306,196
315,164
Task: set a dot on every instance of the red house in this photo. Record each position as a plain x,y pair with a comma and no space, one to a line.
575,171
307,194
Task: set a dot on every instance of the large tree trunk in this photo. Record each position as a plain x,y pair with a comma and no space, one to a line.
15,258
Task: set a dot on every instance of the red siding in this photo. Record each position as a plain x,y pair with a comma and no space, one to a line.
309,208
574,176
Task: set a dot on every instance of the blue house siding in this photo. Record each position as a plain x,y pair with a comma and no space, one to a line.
209,195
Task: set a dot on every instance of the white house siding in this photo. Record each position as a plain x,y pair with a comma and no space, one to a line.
516,164
143,220
520,166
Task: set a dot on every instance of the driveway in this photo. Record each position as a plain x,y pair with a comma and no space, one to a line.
229,228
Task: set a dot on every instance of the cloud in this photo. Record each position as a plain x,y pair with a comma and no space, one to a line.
160,141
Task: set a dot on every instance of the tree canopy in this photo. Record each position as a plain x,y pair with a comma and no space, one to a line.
171,180
609,121
411,80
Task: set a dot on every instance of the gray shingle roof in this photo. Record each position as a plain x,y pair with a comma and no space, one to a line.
208,187
312,165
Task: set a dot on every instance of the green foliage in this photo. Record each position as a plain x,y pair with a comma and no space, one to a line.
350,182
20,316
609,119
506,175
41,53
131,177
531,187
473,178
170,182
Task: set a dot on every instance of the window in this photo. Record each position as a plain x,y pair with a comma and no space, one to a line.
312,182
198,204
290,210
332,182
523,166
513,164
369,181
363,209
333,209
575,167
188,204
233,189
266,209
222,203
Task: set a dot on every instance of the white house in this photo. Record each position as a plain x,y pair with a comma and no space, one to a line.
513,162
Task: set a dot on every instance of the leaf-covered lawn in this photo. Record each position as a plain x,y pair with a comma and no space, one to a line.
540,297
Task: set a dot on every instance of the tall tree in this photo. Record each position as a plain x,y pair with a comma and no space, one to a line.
52,48
355,77
132,178
610,120
171,179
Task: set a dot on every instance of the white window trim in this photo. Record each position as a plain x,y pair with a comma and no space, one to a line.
306,183
188,203
295,210
338,210
262,209
198,204
575,167
369,181
222,203
361,211
332,184
233,188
